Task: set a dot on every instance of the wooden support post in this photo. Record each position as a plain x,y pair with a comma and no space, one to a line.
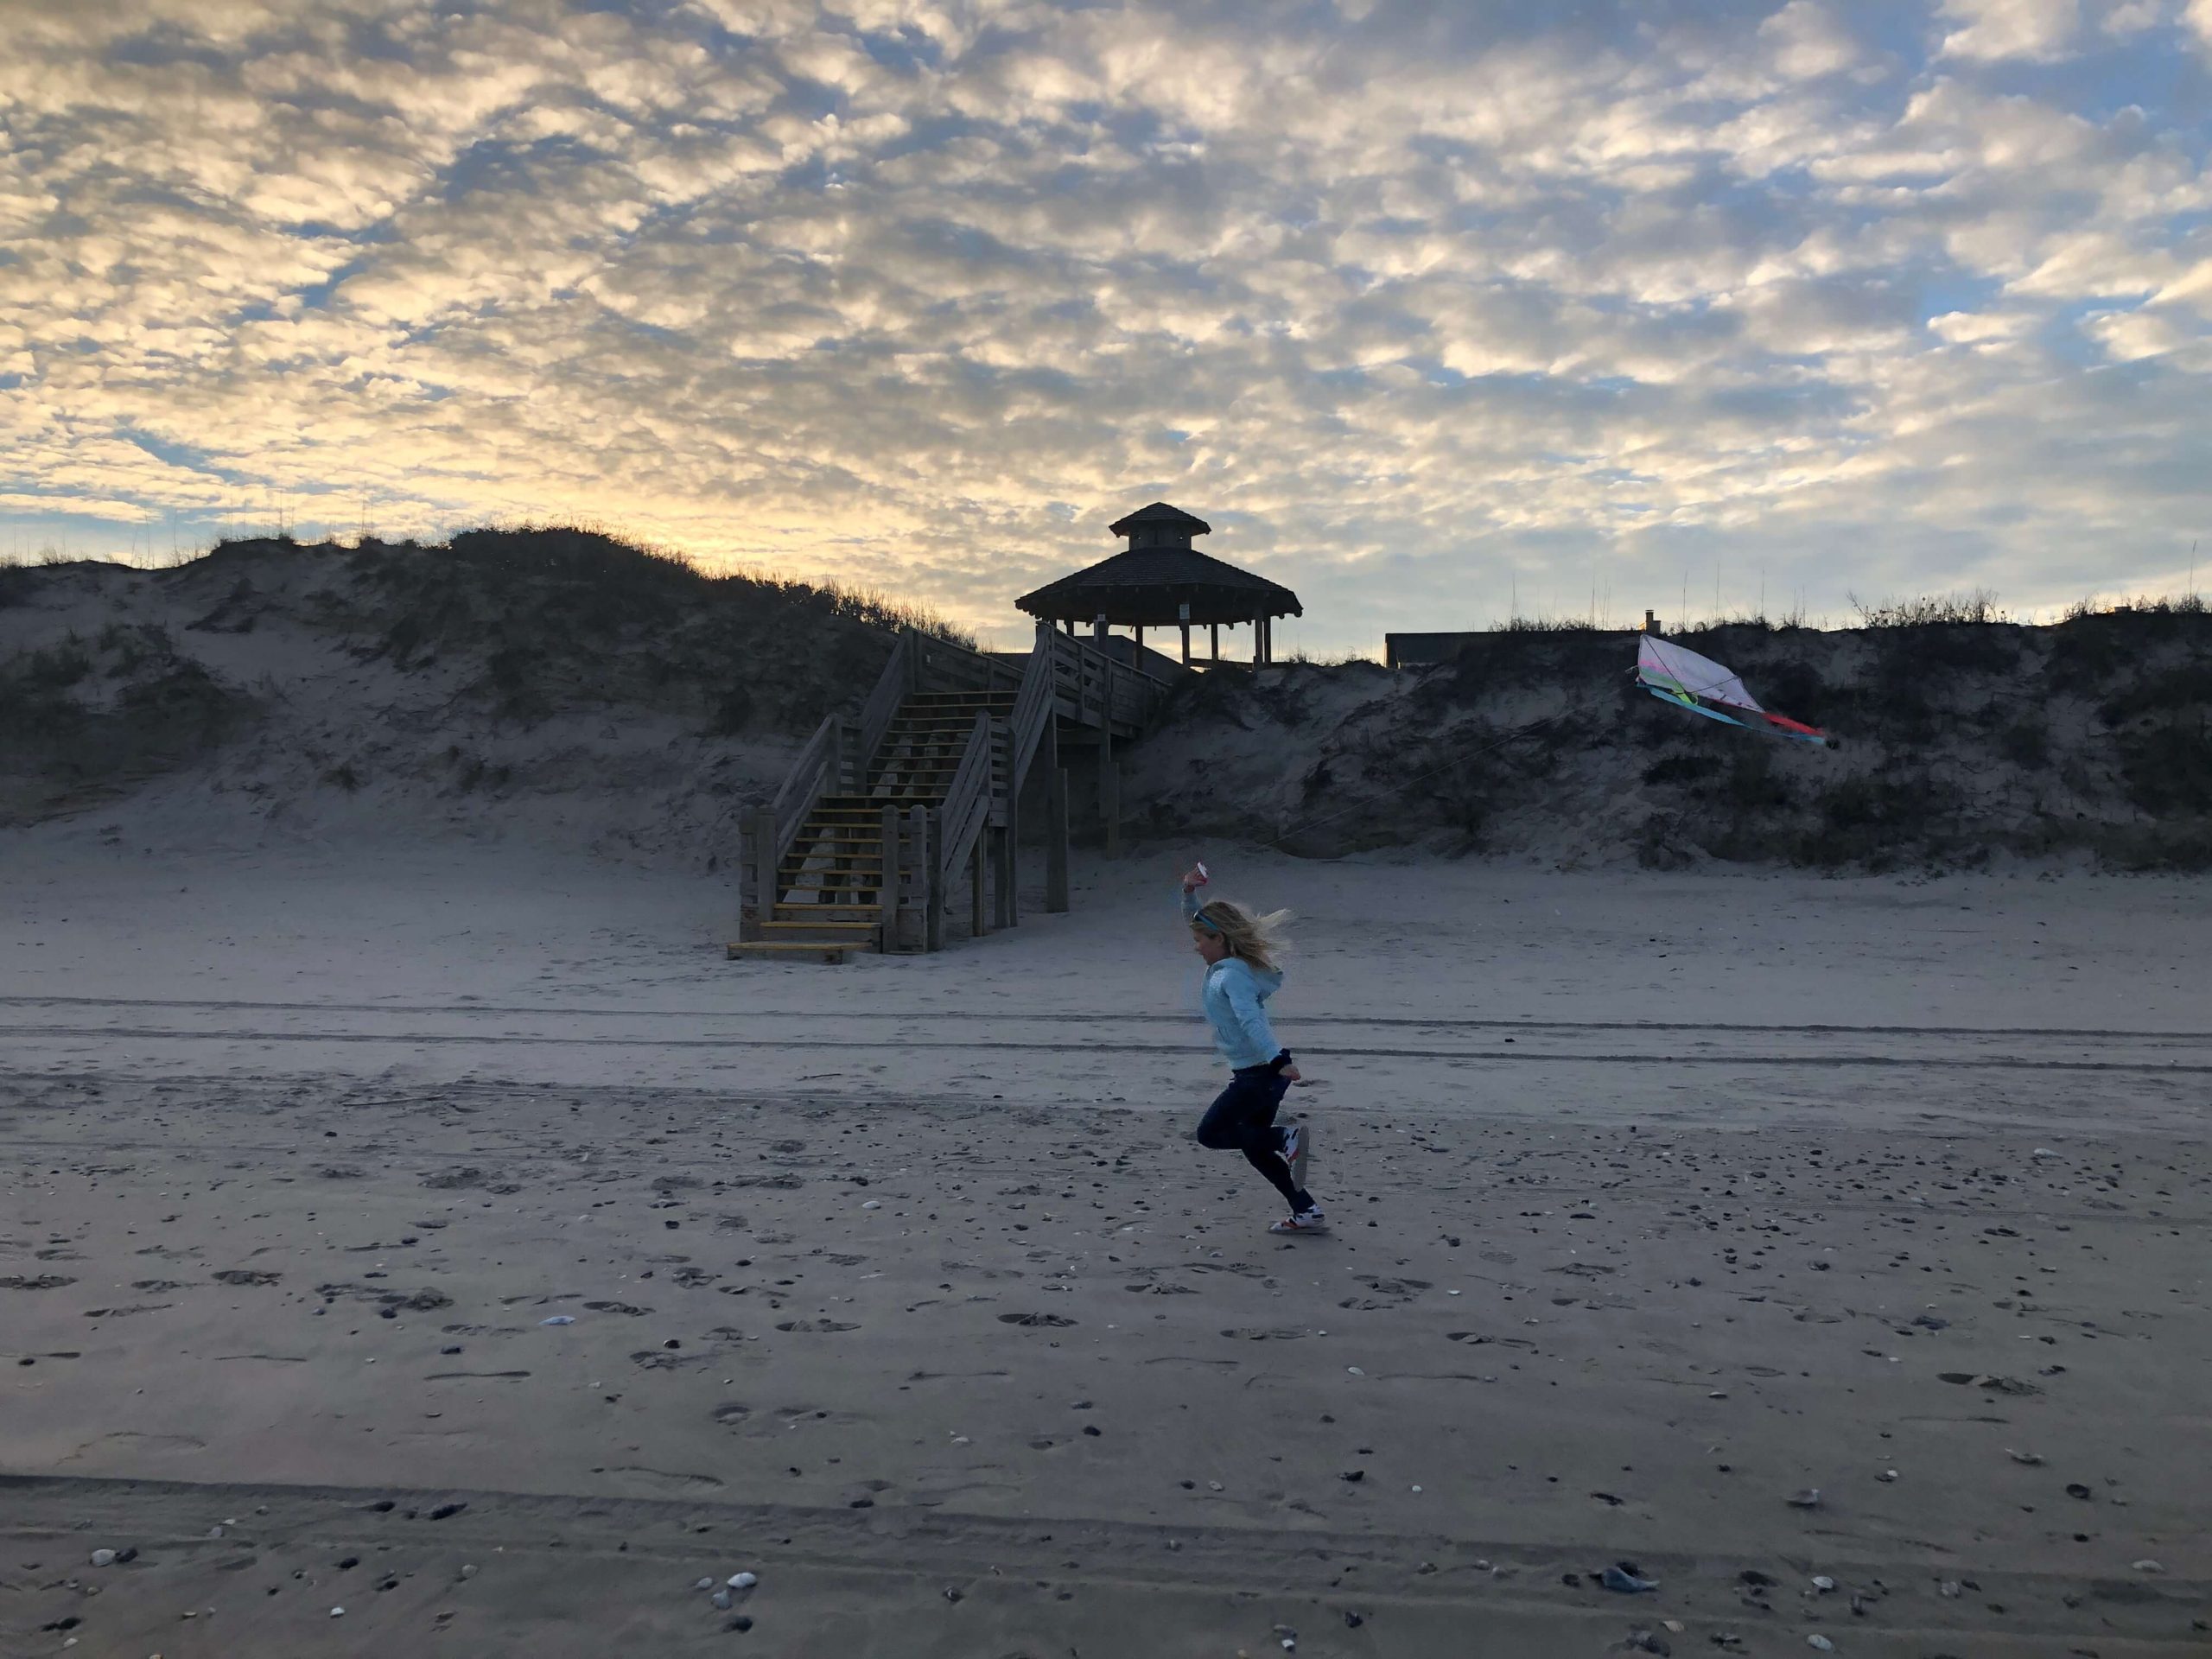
1002,878
836,770
914,862
1056,842
1186,645
1109,795
978,862
888,894
936,901
1056,820
763,850
1139,657
1010,868
1216,627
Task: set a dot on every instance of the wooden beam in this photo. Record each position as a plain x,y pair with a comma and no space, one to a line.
887,895
1217,642
1056,839
935,901
1004,912
1010,900
978,917
1110,789
763,866
915,860
1186,645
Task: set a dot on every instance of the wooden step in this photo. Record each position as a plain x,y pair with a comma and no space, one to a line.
789,949
786,925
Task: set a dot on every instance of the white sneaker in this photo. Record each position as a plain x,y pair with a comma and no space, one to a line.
1305,1221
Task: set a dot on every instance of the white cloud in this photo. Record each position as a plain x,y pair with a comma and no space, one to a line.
867,290
2009,28
1808,40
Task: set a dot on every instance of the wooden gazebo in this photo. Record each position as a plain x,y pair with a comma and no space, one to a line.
1159,580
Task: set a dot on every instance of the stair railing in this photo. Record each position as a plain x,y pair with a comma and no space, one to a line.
822,767
967,806
882,706
1121,692
948,667
1039,698
810,777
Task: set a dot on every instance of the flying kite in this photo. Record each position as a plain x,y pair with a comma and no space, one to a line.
1673,674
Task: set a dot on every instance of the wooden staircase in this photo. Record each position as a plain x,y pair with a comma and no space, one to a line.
829,885
935,760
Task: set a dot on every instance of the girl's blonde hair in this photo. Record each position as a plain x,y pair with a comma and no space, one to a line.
1255,939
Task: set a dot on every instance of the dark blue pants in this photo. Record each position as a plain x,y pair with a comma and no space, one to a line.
1242,1117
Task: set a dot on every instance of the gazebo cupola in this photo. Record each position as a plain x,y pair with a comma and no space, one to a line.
1161,580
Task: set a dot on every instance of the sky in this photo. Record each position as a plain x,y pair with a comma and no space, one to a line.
1437,312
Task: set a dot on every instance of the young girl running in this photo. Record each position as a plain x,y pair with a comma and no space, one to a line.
1239,949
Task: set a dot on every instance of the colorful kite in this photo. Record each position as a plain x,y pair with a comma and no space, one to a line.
1698,683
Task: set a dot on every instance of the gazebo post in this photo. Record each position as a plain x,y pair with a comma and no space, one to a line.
1139,658
1215,658
1186,645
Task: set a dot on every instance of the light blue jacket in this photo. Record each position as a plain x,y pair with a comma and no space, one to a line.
1235,999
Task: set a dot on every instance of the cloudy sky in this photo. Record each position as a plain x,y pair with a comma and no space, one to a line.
1432,309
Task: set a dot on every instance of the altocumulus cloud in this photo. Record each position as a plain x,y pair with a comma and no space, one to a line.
1420,304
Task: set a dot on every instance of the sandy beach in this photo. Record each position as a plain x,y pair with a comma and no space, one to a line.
1658,1201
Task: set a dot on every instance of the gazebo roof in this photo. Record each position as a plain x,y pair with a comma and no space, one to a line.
1160,513
1147,587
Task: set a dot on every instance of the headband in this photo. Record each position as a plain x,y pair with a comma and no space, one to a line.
1199,919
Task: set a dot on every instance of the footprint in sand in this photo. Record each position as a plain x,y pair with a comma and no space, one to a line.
663,1479
131,1440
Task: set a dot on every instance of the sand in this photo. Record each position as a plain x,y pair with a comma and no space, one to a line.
1657,1200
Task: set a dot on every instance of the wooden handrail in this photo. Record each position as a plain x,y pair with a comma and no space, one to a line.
882,705
1077,646
1038,702
967,806
992,669
804,783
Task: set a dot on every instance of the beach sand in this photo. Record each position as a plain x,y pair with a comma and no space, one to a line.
1657,1200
